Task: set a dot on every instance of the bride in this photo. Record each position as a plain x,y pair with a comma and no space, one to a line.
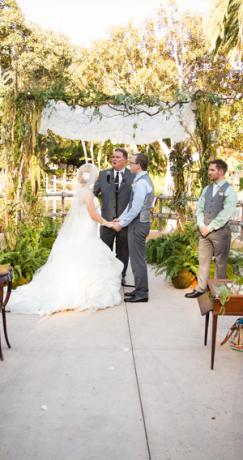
81,272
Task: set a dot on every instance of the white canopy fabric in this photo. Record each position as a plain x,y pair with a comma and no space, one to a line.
84,123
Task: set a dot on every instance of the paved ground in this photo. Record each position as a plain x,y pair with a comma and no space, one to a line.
129,383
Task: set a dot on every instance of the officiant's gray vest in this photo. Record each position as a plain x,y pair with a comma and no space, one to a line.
144,215
214,204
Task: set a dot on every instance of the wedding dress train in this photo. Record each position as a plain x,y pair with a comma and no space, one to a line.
81,272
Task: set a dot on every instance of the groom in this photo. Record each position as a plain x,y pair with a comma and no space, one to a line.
137,217
115,185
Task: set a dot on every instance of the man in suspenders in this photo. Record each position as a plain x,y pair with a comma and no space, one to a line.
137,217
216,206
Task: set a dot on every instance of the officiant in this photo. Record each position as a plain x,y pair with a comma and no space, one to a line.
114,185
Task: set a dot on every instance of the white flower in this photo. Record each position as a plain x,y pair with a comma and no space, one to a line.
86,176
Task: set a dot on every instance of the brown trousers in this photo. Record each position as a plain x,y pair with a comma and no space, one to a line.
216,244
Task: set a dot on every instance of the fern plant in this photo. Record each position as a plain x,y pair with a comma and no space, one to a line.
177,256
152,249
174,253
30,250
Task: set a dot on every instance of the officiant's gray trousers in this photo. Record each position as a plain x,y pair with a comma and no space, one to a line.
216,244
137,233
108,235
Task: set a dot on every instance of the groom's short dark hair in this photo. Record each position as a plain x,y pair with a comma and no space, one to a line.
123,151
142,160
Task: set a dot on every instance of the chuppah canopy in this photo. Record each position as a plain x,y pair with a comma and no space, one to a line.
143,125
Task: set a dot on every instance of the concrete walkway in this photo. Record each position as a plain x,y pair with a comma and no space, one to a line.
128,383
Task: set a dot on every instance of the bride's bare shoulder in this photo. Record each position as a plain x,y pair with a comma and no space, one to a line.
88,196
86,193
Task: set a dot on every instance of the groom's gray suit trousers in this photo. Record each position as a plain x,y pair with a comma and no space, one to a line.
137,233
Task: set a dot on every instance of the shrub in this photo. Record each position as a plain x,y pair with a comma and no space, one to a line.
175,252
30,250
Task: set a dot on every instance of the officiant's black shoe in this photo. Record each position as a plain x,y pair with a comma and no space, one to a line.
123,283
136,299
194,294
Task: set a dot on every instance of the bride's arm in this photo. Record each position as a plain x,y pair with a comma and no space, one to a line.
94,215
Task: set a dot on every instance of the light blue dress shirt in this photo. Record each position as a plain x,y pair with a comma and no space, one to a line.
140,189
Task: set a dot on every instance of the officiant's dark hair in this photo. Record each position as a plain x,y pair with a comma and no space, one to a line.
123,151
142,160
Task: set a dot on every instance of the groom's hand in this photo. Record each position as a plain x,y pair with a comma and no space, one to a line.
117,226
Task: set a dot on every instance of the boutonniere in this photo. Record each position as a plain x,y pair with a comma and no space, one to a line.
221,193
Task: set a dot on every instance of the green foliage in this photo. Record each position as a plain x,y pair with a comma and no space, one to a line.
207,120
32,245
234,273
229,132
223,294
152,248
229,271
61,152
236,260
241,183
225,27
165,60
48,233
156,157
180,163
176,252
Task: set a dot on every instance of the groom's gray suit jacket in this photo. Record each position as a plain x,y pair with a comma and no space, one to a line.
113,204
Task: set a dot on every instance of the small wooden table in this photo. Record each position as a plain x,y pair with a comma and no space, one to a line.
234,307
5,281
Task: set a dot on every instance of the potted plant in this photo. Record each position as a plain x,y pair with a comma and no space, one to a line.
223,294
176,255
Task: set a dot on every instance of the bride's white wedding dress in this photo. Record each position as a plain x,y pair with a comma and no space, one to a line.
81,272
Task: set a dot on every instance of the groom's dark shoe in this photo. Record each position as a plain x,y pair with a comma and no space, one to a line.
130,294
136,299
194,294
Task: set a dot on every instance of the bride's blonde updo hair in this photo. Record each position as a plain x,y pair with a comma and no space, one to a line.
87,175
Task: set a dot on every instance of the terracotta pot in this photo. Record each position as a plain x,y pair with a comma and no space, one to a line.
183,280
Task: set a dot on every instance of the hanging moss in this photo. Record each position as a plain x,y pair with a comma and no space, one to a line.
180,162
207,122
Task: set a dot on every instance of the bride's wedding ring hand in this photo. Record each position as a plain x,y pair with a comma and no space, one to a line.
114,224
108,224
